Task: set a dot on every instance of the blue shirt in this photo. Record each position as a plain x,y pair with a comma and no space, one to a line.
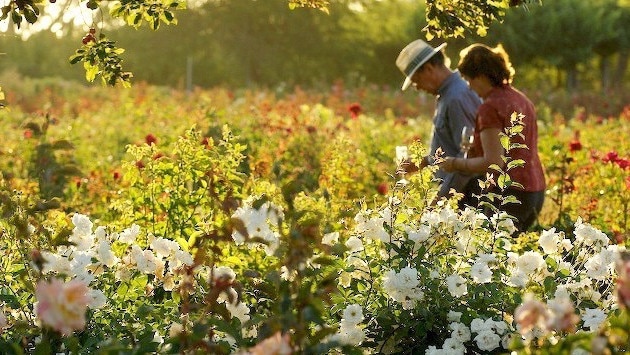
456,107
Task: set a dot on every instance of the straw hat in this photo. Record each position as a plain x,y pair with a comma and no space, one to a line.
413,56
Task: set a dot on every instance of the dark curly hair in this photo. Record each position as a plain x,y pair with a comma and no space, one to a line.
494,63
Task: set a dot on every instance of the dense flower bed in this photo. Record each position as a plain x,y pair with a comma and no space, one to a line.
248,223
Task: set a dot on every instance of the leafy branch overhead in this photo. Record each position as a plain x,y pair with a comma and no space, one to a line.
101,58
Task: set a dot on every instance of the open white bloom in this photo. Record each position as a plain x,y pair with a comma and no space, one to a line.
593,318
345,279
129,235
223,274
487,340
419,235
503,223
182,257
105,255
589,235
97,299
519,278
145,260
163,247
453,346
240,311
481,273
456,285
448,216
402,286
402,153
350,334
362,269
82,224
257,223
596,267
330,238
486,258
55,263
430,218
374,229
354,244
549,241
453,316
530,262
353,314
460,332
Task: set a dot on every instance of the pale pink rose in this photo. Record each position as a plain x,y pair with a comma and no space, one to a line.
530,314
277,344
3,321
62,305
623,280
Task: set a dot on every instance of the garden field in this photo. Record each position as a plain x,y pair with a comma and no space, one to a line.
150,220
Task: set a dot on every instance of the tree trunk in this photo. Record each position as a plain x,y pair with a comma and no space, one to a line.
572,79
620,71
605,73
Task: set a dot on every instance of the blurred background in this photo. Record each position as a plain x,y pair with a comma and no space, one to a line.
575,50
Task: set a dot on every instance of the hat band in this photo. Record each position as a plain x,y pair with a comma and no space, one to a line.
425,53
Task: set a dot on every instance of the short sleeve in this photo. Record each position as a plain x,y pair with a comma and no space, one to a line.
488,117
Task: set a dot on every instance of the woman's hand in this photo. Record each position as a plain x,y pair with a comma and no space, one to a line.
450,164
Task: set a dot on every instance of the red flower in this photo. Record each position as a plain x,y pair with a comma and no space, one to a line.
28,134
382,188
575,145
116,175
355,110
150,139
623,163
611,157
139,164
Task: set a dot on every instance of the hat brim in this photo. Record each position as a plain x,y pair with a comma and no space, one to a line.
407,81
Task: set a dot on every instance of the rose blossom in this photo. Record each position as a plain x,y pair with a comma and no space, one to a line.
62,305
530,314
277,344
3,321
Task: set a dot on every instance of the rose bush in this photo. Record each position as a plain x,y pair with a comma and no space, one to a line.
266,228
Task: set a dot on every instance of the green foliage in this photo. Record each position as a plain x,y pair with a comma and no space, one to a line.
217,249
51,162
134,12
186,195
102,58
20,10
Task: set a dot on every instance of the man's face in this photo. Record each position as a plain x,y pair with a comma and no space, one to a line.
422,79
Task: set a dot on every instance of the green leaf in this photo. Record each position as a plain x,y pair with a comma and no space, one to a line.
30,15
74,59
16,18
90,71
140,281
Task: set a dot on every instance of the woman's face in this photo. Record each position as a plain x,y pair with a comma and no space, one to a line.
478,85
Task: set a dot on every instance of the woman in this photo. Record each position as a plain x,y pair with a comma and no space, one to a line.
489,73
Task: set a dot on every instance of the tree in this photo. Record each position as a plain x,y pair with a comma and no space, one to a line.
100,55
565,34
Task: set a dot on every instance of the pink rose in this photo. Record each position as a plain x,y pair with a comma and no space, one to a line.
530,314
62,305
3,321
277,344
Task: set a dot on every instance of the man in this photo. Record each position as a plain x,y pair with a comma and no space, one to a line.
424,67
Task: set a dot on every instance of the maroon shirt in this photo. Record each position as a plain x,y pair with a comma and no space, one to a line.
495,112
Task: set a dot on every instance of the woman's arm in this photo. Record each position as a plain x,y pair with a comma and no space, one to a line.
492,154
